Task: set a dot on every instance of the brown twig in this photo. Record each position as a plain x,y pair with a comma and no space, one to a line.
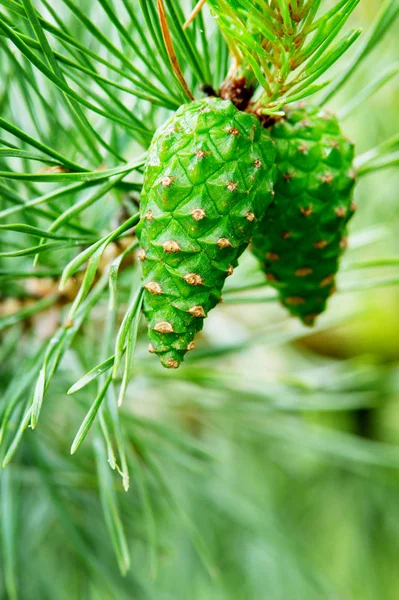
194,13
170,50
37,289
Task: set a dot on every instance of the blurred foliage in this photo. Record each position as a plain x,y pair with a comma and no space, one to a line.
268,465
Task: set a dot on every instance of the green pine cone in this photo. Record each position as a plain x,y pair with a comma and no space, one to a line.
207,181
301,238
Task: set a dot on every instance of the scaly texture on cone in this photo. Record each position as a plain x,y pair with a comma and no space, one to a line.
207,182
301,238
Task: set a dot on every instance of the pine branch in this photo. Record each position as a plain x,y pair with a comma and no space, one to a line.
84,88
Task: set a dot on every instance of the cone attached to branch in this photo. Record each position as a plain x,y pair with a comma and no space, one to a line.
301,238
207,183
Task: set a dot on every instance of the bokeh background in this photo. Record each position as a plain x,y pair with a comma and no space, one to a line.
266,467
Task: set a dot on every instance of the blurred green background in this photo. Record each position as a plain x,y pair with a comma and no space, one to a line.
266,468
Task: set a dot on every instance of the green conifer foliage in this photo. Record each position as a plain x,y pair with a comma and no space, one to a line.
301,238
207,182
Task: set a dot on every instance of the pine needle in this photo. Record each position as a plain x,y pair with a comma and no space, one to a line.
170,50
196,10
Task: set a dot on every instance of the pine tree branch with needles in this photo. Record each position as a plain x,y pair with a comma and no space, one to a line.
85,88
